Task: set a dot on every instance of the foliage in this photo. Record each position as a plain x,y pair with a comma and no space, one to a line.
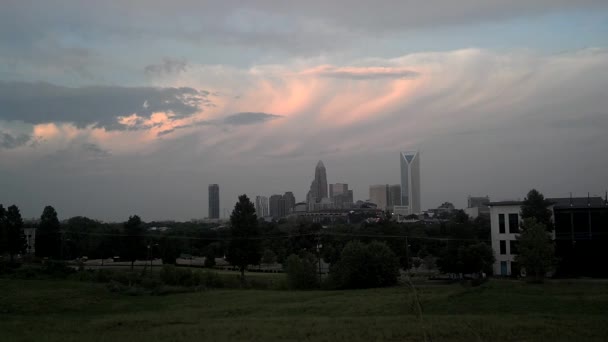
364,266
536,250
13,232
536,206
48,234
476,258
269,257
245,247
134,244
302,272
79,237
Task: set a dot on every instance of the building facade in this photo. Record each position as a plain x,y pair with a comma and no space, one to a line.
261,206
580,235
290,202
214,201
394,196
318,187
410,181
276,205
379,194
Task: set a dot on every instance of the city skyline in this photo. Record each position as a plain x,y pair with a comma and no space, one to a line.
109,109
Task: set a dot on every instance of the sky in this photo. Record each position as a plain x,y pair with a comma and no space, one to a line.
115,108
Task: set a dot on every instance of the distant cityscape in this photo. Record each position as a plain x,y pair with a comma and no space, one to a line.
402,199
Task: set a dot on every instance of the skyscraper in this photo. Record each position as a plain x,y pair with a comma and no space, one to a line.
410,181
340,196
378,194
318,187
394,196
276,206
214,201
261,206
290,202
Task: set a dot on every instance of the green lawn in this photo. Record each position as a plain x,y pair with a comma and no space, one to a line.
56,310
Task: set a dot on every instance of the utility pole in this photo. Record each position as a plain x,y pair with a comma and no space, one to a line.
319,246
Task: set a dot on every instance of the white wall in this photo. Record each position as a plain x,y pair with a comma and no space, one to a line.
497,237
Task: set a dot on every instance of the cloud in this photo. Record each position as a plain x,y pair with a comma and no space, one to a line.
101,106
167,67
362,73
249,118
9,141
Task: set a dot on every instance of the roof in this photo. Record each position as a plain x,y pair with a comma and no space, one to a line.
504,203
578,202
563,202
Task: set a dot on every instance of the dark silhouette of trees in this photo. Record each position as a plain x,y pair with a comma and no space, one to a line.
3,237
12,225
48,234
536,206
245,245
134,245
536,249
364,266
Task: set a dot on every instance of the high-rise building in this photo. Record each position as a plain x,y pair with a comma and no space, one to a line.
410,181
214,201
318,187
261,206
340,196
290,202
337,189
394,196
276,206
379,195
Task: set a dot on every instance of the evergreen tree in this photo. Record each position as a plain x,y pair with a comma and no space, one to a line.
48,234
16,243
134,245
245,246
536,206
3,237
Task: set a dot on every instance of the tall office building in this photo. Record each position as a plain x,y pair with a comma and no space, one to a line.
410,181
340,196
394,196
276,205
290,202
337,189
378,194
318,187
214,201
261,206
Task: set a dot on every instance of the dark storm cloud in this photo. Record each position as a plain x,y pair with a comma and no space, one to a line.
249,118
167,67
36,103
9,141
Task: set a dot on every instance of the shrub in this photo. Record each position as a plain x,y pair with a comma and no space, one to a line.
364,266
301,272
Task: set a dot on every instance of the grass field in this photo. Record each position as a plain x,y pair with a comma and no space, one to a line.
60,310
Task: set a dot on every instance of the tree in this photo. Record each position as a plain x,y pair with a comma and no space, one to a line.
244,248
536,250
536,206
78,231
302,272
476,258
3,237
364,266
134,245
16,243
48,234
269,257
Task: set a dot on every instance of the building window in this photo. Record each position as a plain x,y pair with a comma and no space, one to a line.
501,223
513,244
503,247
513,223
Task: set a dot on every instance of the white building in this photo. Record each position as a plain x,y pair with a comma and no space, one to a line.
504,220
261,206
410,181
30,239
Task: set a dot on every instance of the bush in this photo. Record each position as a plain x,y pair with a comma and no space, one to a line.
57,268
172,275
301,272
365,266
